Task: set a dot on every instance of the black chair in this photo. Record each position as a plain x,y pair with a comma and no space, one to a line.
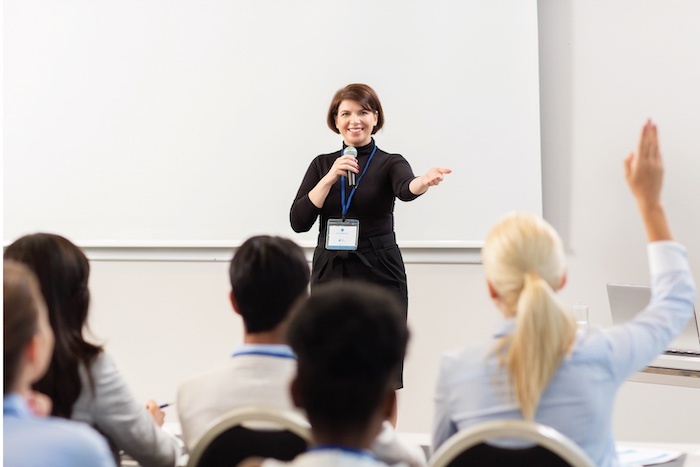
251,432
471,447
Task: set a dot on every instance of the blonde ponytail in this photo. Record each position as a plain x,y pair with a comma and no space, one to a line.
524,263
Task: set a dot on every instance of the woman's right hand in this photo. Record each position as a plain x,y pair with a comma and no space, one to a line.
644,173
340,167
156,412
644,169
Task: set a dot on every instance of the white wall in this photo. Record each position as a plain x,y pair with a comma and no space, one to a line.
165,321
156,113
605,66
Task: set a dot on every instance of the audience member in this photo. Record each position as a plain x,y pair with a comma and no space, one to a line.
30,440
82,380
350,340
539,366
268,276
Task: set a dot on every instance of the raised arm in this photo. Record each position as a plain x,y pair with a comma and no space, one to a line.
644,172
633,344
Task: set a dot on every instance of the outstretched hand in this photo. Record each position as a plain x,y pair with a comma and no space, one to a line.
434,176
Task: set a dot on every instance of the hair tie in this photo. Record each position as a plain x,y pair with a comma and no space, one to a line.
532,275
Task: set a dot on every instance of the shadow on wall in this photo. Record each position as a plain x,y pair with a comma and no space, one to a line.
556,112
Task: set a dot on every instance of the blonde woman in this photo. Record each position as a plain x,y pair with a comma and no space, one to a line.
539,367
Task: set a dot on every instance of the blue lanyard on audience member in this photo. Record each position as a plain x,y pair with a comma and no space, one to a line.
264,352
344,449
345,205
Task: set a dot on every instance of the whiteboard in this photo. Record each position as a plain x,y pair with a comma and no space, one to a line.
192,123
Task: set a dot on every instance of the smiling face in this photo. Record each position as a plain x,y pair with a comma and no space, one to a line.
355,123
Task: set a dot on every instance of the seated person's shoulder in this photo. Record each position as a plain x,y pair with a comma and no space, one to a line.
64,442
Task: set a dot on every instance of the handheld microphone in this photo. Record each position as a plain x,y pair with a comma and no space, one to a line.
350,150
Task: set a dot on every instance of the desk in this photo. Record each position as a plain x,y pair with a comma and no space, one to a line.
692,451
668,376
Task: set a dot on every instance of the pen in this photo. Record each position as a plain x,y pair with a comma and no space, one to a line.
167,404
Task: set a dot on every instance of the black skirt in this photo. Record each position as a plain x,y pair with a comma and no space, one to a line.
377,260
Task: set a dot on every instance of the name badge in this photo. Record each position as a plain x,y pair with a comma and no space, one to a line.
342,234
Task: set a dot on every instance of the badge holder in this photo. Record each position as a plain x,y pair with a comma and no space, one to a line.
342,234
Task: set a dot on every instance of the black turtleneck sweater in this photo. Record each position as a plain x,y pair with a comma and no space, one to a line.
386,179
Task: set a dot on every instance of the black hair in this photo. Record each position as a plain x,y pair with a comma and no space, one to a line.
268,275
350,340
63,270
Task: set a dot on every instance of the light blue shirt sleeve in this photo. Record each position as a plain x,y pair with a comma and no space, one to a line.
634,344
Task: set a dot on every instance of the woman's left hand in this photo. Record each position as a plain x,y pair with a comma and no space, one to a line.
434,176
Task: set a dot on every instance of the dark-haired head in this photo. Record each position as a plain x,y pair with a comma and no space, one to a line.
350,339
24,319
268,275
63,272
363,95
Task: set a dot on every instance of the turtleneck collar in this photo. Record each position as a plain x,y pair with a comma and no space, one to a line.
363,150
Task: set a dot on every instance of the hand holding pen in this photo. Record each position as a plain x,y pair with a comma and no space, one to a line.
156,412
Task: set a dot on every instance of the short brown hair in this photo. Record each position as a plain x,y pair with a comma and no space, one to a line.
363,95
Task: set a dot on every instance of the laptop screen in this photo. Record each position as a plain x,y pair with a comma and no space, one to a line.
627,300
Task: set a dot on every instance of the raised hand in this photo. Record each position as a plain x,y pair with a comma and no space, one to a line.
644,172
644,169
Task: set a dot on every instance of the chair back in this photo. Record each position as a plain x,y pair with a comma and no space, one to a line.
251,432
470,447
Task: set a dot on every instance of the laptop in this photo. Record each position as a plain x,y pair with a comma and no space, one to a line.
626,300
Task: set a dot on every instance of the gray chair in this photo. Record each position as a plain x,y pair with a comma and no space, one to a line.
251,432
546,448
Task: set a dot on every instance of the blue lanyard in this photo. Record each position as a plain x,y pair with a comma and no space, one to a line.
266,353
345,204
343,449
